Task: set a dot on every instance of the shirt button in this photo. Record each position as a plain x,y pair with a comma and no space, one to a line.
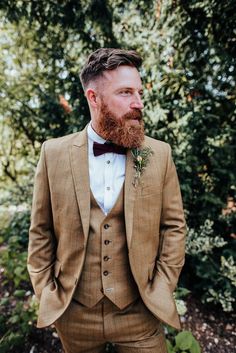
108,188
105,273
106,242
106,258
108,162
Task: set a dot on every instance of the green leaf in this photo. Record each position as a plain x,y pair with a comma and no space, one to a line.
181,292
195,348
14,319
19,293
184,340
4,301
18,271
170,348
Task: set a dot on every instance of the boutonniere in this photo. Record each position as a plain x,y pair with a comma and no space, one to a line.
141,159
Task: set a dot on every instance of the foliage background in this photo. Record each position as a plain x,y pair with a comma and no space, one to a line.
189,73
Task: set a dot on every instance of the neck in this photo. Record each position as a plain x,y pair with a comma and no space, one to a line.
96,129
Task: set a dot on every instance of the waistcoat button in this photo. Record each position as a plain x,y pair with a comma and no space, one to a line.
105,273
106,242
106,258
106,226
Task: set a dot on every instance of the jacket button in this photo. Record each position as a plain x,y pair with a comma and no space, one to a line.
105,273
106,258
106,226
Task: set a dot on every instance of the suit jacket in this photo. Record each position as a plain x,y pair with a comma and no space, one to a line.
154,220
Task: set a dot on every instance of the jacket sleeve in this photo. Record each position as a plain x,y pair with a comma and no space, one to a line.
172,229
42,243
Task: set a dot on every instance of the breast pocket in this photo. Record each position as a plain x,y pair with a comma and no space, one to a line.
149,190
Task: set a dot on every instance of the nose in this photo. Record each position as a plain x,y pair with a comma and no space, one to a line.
137,102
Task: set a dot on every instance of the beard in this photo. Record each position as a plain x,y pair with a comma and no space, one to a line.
119,130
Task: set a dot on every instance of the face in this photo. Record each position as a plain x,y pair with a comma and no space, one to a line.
118,113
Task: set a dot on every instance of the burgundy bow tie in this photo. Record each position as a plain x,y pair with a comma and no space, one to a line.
101,148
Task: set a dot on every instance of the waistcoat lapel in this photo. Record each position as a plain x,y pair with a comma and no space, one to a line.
80,172
130,192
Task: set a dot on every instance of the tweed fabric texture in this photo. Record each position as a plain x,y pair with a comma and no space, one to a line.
60,220
106,270
133,329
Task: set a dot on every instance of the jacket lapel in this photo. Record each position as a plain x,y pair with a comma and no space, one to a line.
130,192
80,172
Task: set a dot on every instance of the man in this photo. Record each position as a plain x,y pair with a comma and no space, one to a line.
107,235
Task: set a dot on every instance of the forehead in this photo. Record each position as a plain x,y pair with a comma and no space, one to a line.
122,76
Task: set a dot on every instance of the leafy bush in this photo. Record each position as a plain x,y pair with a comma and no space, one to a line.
18,308
224,290
13,260
17,315
14,254
212,265
16,224
184,342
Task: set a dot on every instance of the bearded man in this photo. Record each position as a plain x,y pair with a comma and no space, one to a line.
106,242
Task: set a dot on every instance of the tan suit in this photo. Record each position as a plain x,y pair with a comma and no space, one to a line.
154,224
106,270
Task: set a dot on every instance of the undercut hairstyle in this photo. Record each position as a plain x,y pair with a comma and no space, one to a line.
107,59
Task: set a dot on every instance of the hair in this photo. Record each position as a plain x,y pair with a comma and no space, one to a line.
107,59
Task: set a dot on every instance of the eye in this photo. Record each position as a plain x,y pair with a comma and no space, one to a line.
125,92
141,93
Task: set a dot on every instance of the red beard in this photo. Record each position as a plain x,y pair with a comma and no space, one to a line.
118,130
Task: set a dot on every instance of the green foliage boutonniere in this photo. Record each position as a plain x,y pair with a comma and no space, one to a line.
141,158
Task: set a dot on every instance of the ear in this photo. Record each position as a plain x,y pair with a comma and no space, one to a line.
92,97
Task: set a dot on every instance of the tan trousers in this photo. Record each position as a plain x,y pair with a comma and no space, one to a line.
132,330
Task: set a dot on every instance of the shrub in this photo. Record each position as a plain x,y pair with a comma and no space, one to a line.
16,224
212,265
184,342
18,308
17,314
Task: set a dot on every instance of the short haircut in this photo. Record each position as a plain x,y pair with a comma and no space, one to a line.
107,59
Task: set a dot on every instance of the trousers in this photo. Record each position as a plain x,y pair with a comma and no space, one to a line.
133,329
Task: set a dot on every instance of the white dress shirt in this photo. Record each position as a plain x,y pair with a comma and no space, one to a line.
106,173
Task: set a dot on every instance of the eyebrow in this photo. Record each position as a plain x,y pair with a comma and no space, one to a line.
129,88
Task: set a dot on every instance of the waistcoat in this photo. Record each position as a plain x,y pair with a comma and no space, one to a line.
106,270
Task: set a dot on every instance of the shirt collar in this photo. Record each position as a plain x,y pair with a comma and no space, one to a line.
92,135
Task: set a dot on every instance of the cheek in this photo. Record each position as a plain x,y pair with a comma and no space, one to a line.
119,101
121,105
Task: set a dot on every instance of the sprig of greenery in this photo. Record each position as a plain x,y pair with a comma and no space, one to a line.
141,159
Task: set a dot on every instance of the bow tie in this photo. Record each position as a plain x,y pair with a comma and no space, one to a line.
101,148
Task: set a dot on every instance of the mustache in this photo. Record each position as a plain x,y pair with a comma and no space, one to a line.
134,114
